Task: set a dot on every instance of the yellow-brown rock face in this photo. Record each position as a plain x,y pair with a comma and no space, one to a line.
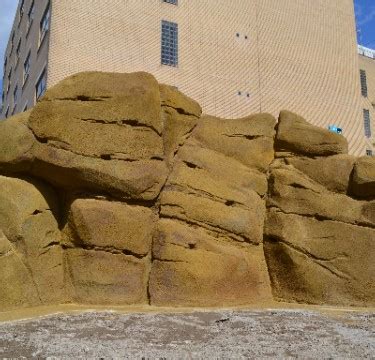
117,191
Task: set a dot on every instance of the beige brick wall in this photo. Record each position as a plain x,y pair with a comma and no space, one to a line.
308,63
213,63
299,54
368,64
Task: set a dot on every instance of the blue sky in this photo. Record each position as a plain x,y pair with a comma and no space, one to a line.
365,13
7,11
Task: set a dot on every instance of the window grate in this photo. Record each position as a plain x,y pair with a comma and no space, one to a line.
363,83
367,123
369,152
169,43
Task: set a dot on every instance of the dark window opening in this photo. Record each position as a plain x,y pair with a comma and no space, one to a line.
363,83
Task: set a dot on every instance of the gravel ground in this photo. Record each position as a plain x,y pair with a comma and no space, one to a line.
205,335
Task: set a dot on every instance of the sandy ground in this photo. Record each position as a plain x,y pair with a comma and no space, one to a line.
208,335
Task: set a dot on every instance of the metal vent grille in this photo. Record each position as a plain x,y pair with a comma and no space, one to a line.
363,82
367,123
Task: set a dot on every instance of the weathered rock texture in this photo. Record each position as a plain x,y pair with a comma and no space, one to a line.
116,190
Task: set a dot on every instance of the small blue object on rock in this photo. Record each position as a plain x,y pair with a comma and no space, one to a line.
335,129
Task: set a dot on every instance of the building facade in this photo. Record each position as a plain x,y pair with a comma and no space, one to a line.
26,57
367,78
235,57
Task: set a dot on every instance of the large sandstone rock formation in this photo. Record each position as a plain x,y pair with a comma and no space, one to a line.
116,190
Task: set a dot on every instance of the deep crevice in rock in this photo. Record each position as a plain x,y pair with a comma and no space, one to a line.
108,249
132,253
82,98
171,261
244,136
191,165
180,110
106,157
136,124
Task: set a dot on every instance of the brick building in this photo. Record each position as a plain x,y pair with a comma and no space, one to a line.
367,77
235,57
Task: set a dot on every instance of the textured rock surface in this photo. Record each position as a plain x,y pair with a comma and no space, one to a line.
27,219
319,241
102,277
193,266
108,251
364,178
102,131
333,172
126,180
123,193
111,225
320,261
295,134
17,288
294,193
16,141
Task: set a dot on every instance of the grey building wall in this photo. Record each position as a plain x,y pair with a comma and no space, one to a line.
24,39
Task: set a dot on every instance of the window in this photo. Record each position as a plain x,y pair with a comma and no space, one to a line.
44,24
369,152
26,67
41,85
15,96
22,8
174,2
18,51
30,16
169,43
25,107
12,43
363,82
7,112
367,123
9,80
